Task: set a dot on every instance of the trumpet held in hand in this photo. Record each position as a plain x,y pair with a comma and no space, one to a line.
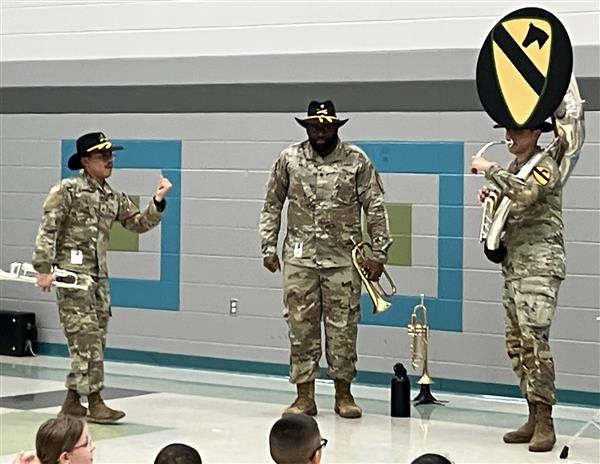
24,272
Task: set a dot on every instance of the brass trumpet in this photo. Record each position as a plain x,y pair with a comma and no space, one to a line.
374,289
419,349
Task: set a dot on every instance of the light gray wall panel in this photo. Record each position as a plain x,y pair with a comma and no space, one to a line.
425,220
264,302
28,179
246,272
38,153
580,291
237,213
150,241
581,225
220,241
18,232
583,258
213,184
582,193
424,251
208,327
258,155
16,254
138,265
21,291
414,280
417,189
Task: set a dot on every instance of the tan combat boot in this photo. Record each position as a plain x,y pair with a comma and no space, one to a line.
100,413
72,406
305,402
524,433
543,436
344,401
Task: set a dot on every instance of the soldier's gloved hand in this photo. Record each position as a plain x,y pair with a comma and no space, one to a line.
373,269
44,281
163,188
483,194
271,263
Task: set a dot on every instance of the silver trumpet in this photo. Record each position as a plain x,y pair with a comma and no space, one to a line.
418,330
24,272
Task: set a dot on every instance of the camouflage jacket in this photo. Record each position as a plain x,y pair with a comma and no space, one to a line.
533,232
75,227
325,197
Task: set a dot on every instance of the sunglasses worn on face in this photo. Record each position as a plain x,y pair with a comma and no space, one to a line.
321,446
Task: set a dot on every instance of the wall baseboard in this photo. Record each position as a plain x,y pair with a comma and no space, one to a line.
574,397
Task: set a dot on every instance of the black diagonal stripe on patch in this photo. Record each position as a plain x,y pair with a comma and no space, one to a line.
519,59
542,174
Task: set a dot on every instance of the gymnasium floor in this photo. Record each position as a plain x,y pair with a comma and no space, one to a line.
227,417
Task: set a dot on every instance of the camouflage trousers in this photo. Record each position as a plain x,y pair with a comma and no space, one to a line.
309,295
84,317
530,304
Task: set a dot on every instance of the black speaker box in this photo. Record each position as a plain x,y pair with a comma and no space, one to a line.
18,334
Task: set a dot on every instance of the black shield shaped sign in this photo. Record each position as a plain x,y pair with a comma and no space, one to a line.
524,68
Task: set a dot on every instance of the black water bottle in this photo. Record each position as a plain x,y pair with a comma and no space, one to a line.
400,392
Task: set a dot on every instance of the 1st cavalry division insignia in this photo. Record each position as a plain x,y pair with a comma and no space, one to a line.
524,67
541,175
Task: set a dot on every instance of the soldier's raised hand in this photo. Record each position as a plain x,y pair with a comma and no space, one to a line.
163,188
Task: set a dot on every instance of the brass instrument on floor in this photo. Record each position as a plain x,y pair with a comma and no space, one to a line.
374,289
24,272
418,330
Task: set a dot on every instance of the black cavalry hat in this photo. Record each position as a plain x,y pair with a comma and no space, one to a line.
321,113
87,145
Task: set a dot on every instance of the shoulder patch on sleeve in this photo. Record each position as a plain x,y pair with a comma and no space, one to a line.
542,174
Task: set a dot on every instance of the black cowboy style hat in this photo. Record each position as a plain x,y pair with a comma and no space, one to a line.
87,145
321,113
544,127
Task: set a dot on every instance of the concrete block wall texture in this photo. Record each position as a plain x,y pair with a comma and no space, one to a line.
230,127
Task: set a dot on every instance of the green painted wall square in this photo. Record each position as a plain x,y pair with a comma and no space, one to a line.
400,216
400,219
400,253
120,238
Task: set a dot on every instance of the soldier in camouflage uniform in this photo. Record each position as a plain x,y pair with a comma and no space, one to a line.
533,267
327,183
74,235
